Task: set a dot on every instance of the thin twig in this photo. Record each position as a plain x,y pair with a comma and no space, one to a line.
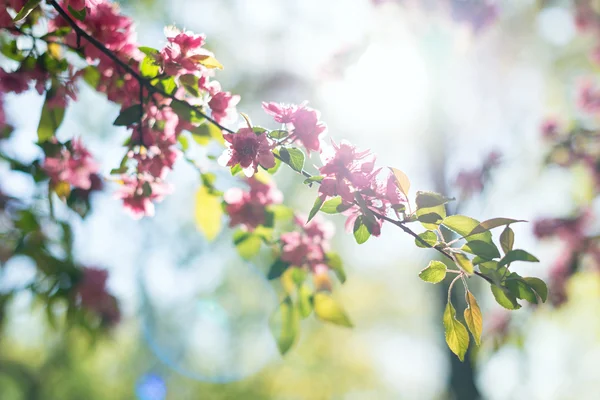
81,33
142,81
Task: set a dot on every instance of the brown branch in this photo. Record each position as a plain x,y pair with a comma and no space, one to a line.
142,81
81,33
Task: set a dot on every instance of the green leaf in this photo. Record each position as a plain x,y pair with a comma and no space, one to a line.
129,116
91,76
26,10
431,209
505,298
463,225
168,85
305,300
149,67
183,142
402,181
334,261
507,239
464,263
279,134
493,223
429,237
333,206
50,120
435,272
247,244
517,255
315,209
190,84
149,51
361,232
519,288
457,336
294,157
473,317
482,249
205,132
277,269
78,14
539,286
430,199
327,309
11,50
285,325
192,114
60,32
313,179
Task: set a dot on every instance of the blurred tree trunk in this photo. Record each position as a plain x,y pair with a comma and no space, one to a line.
462,374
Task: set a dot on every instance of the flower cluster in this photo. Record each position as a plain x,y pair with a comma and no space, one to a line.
308,249
589,97
248,208
578,248
72,164
302,121
363,188
92,294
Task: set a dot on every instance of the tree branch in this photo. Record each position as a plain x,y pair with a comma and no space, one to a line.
81,33
142,81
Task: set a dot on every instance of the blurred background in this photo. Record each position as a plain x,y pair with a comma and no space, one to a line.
454,93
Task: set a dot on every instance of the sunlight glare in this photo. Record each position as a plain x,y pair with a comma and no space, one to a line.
389,84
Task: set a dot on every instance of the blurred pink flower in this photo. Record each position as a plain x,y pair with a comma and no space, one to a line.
248,207
222,106
74,166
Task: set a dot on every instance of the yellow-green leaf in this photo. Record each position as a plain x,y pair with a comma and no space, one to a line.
285,325
208,61
457,336
464,262
402,181
208,213
304,300
473,317
327,309
434,273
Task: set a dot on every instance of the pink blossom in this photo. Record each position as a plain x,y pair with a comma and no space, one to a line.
318,229
347,171
139,192
308,128
6,20
304,122
91,292
2,113
222,106
157,161
63,92
282,113
106,24
299,249
589,97
248,207
78,5
74,166
15,82
249,150
183,53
